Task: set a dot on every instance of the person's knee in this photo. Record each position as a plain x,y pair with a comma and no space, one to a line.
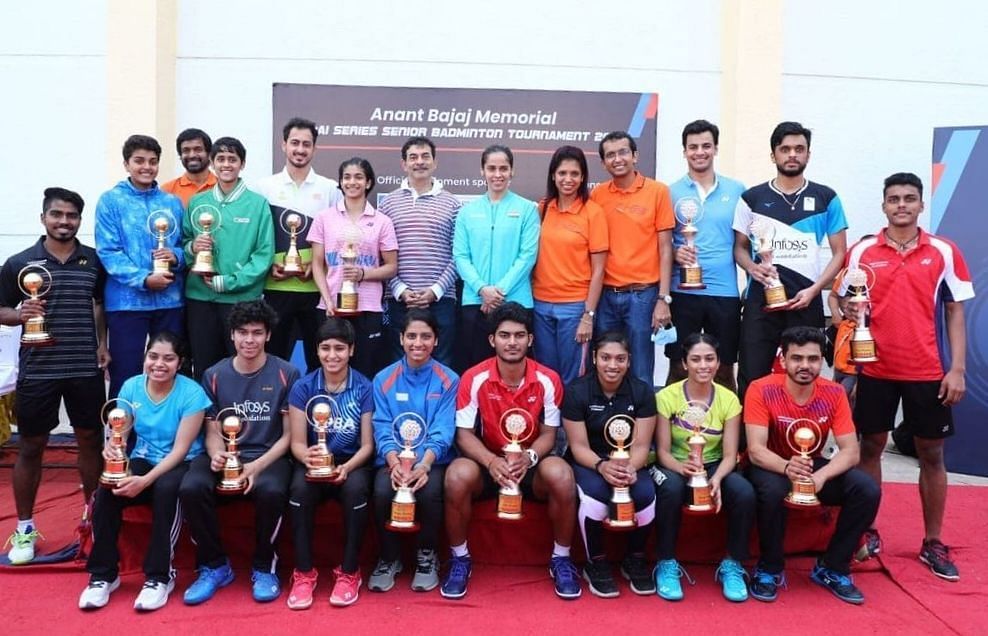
872,446
558,477
31,448
930,453
460,479
89,440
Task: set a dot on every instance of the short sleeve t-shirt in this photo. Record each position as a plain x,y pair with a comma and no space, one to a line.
356,399
156,423
671,402
585,401
566,241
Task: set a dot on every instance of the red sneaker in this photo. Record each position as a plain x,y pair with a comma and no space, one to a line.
303,584
346,591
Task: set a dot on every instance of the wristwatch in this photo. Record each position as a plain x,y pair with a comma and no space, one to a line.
590,313
667,299
533,457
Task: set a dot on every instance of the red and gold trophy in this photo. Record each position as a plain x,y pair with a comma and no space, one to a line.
118,418
205,220
35,282
694,418
517,425
409,430
689,210
763,232
619,433
322,414
347,300
293,224
233,430
161,225
804,437
859,281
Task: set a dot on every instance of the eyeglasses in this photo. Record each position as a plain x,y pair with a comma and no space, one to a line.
614,154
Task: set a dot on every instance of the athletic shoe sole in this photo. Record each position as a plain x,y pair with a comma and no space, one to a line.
637,590
299,606
598,593
169,588
852,601
338,603
763,598
945,577
110,590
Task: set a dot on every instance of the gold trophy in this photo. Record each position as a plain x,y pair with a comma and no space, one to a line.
161,225
347,298
619,432
321,412
233,429
763,232
35,282
293,224
859,283
410,430
688,211
206,221
804,437
694,418
118,417
517,425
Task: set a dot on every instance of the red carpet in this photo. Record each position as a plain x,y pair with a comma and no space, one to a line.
902,598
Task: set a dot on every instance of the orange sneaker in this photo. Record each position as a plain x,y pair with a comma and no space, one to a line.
303,584
346,591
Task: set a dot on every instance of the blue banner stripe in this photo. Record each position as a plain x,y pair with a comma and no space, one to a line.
954,160
638,119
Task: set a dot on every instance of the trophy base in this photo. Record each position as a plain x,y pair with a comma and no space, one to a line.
36,340
321,477
111,481
292,270
203,272
619,525
701,510
863,360
801,501
510,516
233,488
402,526
346,313
777,306
691,286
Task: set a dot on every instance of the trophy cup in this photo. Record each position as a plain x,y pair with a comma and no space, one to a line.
517,425
619,432
409,430
35,282
689,210
233,430
347,299
804,437
859,283
205,221
293,224
321,412
763,232
118,417
694,418
161,225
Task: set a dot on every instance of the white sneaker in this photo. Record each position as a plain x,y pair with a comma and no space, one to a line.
97,593
22,546
153,595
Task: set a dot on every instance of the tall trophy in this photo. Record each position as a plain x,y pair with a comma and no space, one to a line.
323,416
694,418
162,226
293,224
35,282
689,210
233,429
118,418
517,426
859,283
347,299
763,232
619,433
804,437
205,221
409,430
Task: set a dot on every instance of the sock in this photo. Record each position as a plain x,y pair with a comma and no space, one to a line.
24,526
559,550
460,550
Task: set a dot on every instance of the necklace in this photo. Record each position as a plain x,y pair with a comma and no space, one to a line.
338,386
798,193
903,246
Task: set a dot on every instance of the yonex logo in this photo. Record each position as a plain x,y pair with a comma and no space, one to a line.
926,261
767,205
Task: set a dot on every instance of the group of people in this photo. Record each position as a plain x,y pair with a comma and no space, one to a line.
572,294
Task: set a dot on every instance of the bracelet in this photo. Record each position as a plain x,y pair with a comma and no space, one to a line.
362,273
596,467
785,469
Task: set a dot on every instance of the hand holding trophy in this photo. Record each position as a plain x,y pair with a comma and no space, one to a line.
804,437
35,282
763,232
162,226
619,433
694,417
689,210
293,224
409,430
517,425
322,414
118,418
859,281
206,220
233,429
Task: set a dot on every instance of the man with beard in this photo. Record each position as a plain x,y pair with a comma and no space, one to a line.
70,369
798,214
772,404
296,189
193,147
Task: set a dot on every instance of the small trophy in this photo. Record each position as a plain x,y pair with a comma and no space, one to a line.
35,282
517,425
804,437
321,412
763,231
619,432
409,430
118,418
206,221
233,430
293,224
859,283
347,299
161,225
694,418
688,211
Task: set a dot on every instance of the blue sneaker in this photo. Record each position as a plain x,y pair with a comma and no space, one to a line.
565,577
765,585
265,585
732,577
210,580
667,575
842,585
455,585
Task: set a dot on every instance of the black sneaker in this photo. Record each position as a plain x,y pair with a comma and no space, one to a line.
597,572
936,555
841,585
765,585
635,569
871,545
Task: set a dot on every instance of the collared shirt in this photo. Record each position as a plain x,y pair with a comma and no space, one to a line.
566,241
352,402
585,401
185,188
723,405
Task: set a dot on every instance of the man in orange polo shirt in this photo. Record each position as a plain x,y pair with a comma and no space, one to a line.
193,147
639,266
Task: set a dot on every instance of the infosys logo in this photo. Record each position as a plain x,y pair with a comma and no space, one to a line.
790,244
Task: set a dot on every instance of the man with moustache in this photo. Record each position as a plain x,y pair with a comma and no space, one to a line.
193,147
296,189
